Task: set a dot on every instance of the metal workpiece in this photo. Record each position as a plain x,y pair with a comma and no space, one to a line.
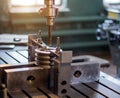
46,56
24,78
40,52
42,57
66,57
66,70
86,68
34,41
13,66
62,74
84,72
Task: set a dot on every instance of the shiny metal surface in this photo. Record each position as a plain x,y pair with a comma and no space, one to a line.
22,78
110,78
62,74
85,72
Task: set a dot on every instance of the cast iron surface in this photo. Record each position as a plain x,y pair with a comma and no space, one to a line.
99,89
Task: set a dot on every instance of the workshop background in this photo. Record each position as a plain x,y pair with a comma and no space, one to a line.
76,27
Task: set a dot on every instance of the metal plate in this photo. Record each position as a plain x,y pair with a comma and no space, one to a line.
85,72
20,78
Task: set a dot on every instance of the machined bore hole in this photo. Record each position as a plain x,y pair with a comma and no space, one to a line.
80,60
77,74
30,78
64,91
63,82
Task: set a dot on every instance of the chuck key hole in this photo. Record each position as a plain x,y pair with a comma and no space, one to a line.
30,78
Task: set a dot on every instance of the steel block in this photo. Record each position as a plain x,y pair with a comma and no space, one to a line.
21,78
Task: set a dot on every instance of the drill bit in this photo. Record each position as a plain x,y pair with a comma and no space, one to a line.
49,35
